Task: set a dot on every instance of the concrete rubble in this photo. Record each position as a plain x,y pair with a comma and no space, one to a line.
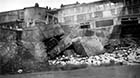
45,45
121,57
78,35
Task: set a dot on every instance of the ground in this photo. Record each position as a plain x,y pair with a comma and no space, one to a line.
89,72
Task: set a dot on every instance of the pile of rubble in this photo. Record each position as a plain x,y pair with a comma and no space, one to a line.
120,55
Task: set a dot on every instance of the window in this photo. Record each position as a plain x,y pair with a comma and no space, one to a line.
107,13
78,9
88,16
81,17
136,10
85,26
68,19
98,14
119,10
99,7
107,6
113,12
128,2
104,23
130,10
21,15
67,12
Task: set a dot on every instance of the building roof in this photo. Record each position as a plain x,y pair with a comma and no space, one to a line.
83,4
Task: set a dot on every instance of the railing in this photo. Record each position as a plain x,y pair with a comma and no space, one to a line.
15,26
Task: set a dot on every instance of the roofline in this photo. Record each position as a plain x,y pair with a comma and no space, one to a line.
83,4
34,7
20,9
11,11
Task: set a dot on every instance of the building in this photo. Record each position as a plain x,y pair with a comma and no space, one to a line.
24,18
96,13
102,14
130,18
27,27
102,17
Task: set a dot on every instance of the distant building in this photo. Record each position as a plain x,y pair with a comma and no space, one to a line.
131,14
103,16
129,17
98,14
26,17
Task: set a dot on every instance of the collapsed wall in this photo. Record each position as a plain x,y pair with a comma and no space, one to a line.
86,41
26,49
91,41
33,38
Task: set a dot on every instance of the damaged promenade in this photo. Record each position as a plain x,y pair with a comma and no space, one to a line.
36,39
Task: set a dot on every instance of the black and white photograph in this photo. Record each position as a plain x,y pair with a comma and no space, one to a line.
69,38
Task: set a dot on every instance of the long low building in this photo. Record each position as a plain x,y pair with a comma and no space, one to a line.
101,14
24,18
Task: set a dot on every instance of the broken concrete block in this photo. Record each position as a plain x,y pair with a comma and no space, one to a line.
92,45
79,49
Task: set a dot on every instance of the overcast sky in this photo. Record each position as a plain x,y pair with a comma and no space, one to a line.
6,5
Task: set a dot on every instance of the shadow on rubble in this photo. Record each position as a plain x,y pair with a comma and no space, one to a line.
24,62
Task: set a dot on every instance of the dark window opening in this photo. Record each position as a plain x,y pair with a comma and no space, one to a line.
19,35
89,33
50,43
84,26
125,18
129,22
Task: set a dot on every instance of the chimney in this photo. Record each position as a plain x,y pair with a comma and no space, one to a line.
36,5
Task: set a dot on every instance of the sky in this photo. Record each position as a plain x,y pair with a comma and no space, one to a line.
7,5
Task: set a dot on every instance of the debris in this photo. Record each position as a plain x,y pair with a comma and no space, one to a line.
117,57
20,71
121,54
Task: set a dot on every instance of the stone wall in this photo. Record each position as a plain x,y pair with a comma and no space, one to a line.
7,43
